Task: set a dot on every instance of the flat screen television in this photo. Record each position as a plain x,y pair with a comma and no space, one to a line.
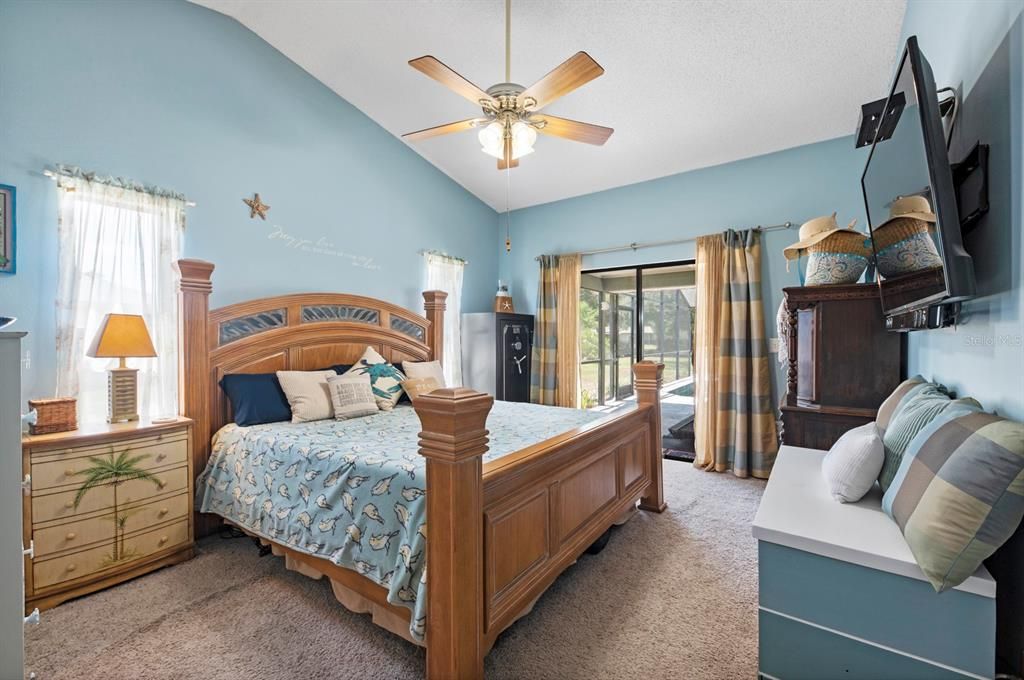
910,198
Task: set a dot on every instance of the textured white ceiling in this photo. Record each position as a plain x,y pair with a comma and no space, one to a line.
686,84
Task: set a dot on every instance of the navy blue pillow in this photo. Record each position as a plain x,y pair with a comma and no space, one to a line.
256,398
340,369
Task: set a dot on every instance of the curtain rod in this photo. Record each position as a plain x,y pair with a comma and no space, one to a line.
57,175
438,253
654,244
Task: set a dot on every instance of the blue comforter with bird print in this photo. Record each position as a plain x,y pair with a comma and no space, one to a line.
352,491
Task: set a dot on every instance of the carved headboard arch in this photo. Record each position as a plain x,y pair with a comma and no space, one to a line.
302,331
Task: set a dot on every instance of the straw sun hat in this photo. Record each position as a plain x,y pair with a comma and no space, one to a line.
914,207
816,230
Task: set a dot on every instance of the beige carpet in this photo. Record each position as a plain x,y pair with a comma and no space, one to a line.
672,596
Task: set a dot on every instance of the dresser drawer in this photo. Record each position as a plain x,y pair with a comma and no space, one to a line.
61,505
76,565
49,471
86,532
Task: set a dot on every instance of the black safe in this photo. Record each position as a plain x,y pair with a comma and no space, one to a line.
496,354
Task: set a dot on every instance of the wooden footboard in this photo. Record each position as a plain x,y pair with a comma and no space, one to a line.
500,533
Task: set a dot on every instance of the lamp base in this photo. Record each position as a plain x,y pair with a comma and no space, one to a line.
122,394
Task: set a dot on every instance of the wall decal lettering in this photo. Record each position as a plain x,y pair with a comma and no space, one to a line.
319,246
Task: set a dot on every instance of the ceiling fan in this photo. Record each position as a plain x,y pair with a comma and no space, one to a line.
510,120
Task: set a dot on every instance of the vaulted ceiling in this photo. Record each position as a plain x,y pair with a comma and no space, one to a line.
687,84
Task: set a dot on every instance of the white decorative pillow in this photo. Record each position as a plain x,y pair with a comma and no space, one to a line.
385,379
308,394
352,396
851,466
424,369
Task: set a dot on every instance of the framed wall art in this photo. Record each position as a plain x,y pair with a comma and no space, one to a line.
7,242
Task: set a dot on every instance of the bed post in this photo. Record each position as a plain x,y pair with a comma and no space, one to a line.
647,381
434,306
454,440
194,363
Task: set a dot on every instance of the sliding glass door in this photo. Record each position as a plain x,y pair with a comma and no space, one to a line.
629,314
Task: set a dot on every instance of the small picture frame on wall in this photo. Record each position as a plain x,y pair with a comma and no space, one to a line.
7,242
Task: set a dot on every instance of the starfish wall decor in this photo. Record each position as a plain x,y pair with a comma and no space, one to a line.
256,207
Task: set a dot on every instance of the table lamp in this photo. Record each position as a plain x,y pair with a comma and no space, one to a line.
121,336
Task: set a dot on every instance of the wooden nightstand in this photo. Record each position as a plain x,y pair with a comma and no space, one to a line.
116,531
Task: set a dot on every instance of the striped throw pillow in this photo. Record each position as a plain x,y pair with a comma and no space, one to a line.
892,403
959,492
922,403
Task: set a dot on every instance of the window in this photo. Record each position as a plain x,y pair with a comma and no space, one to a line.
445,273
118,247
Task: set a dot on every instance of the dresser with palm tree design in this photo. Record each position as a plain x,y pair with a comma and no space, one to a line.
105,503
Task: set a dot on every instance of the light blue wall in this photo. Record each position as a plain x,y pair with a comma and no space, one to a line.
976,46
172,94
792,185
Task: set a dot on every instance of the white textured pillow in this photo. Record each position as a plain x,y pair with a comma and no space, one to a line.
424,369
352,396
851,466
308,394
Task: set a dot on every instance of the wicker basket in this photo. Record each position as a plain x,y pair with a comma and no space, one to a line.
904,245
839,258
53,415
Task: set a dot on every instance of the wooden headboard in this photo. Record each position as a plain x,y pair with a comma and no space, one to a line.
302,331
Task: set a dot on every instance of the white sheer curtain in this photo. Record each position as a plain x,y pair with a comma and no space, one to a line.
117,249
445,273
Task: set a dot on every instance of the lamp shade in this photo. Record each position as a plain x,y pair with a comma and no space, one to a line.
122,335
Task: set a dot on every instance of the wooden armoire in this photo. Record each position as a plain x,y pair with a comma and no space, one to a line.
842,362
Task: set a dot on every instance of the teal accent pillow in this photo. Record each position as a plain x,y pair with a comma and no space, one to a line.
958,494
918,408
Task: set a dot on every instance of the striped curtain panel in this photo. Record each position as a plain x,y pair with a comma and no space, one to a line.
543,383
746,439
567,354
710,272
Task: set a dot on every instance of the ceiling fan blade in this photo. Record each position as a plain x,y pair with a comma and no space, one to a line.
443,129
574,130
577,70
507,161
433,68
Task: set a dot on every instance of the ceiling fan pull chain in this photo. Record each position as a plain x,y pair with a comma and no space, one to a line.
508,213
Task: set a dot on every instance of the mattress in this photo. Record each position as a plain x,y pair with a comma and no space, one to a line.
353,491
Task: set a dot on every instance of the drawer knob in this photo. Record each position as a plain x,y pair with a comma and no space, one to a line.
160,456
159,437
163,539
71,567
69,505
163,511
70,536
69,472
161,484
68,450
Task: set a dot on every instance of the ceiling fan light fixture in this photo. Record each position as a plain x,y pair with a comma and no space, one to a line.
491,140
523,139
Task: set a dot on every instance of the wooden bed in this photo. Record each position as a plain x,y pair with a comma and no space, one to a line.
500,532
